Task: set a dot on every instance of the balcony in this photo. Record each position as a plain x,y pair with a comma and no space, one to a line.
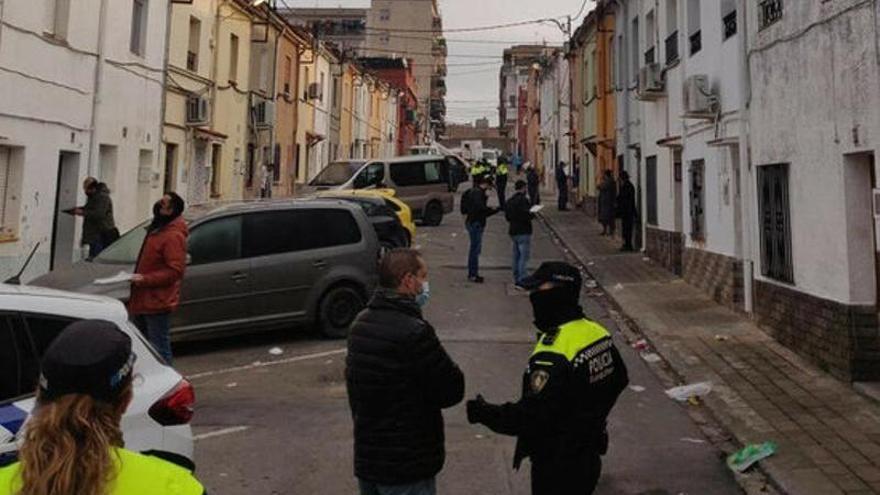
672,48
437,23
439,47
769,13
650,56
192,61
696,42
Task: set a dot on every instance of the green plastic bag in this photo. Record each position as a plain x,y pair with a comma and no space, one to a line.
745,458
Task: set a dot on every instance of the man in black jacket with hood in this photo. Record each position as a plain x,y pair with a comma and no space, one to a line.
518,213
399,378
572,381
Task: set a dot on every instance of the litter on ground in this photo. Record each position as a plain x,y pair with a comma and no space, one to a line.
637,388
640,345
748,456
692,440
684,393
276,351
651,357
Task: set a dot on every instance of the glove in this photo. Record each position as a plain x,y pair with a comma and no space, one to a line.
476,409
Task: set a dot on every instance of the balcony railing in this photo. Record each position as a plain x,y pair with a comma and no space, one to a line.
769,12
192,61
696,42
729,24
650,56
672,48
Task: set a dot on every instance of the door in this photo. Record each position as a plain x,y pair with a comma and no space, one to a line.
64,225
677,182
217,283
170,179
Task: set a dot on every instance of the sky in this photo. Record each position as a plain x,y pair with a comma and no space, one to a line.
472,90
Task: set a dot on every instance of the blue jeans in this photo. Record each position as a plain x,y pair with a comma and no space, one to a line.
522,247
475,232
426,487
156,329
95,249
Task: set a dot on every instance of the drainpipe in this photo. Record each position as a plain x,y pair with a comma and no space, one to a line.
747,196
165,62
96,96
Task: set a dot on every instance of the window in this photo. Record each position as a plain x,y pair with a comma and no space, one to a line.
233,58
697,183
384,38
328,228
250,158
276,164
769,12
728,18
43,330
216,173
695,36
138,27
195,36
215,241
773,204
57,18
418,174
634,50
17,362
6,214
295,230
306,81
650,37
371,176
288,70
651,183
384,14
671,31
321,88
336,101
621,62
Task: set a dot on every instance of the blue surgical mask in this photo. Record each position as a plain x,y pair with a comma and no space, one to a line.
424,295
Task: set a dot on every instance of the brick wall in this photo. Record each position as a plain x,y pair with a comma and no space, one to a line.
719,276
665,248
843,340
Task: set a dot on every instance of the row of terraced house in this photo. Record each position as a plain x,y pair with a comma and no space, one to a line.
214,99
750,130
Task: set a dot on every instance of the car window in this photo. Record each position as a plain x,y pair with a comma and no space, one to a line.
408,174
328,228
373,175
293,230
215,241
336,174
11,362
127,248
43,330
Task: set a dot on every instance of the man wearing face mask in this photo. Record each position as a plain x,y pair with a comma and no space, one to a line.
155,285
399,379
572,381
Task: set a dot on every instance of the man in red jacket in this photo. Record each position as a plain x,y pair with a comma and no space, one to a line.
155,286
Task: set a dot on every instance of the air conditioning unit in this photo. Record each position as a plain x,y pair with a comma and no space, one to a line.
698,98
196,110
316,91
650,81
264,113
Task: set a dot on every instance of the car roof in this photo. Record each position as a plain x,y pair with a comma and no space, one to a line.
30,299
205,210
413,159
347,195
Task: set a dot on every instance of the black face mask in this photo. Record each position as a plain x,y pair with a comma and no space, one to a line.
554,307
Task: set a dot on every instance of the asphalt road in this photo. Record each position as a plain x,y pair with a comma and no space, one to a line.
279,423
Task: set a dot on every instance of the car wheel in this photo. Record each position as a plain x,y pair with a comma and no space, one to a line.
433,214
339,307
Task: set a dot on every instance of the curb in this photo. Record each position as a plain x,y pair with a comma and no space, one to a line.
758,480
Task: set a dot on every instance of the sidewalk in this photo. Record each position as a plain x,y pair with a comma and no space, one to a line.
828,435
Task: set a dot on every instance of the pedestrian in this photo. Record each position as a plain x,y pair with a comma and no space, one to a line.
399,379
626,210
572,382
155,285
72,442
518,163
518,213
607,197
475,207
501,173
99,227
534,183
267,175
479,170
562,186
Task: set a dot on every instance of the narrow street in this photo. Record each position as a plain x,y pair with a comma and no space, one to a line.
279,423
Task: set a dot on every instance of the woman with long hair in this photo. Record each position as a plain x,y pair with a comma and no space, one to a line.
72,443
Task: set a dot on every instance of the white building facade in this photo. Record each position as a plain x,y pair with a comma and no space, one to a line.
88,79
555,96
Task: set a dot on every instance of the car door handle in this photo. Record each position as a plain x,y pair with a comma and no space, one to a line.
320,264
238,277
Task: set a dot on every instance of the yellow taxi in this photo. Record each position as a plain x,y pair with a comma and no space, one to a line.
404,213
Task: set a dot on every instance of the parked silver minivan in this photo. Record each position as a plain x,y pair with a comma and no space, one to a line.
423,182
255,265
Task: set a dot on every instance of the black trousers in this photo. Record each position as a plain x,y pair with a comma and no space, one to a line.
563,197
534,196
575,476
627,224
501,187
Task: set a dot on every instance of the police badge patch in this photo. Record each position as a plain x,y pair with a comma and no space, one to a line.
538,379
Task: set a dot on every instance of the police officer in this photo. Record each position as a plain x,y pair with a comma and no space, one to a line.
479,169
572,381
84,389
501,173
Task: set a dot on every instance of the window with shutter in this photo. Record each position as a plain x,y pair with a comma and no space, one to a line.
776,260
698,200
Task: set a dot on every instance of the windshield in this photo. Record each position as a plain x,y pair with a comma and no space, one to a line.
489,155
336,174
127,248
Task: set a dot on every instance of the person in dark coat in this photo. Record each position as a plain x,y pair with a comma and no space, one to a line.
534,184
399,379
626,210
518,213
475,206
562,186
607,197
99,227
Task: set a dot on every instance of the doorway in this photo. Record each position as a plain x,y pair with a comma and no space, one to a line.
677,181
64,226
861,203
170,179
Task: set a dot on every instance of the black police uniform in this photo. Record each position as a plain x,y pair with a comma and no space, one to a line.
573,379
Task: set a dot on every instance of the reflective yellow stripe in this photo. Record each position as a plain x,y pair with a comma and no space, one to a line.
573,337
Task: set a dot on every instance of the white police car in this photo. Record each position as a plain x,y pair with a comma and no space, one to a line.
157,421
